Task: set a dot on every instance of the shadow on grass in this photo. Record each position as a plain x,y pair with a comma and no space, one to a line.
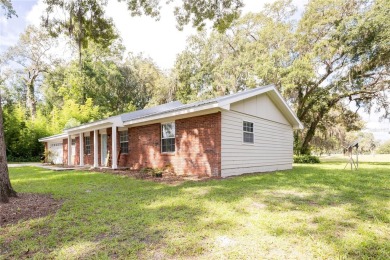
123,217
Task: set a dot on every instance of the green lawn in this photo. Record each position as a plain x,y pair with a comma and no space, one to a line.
313,211
361,157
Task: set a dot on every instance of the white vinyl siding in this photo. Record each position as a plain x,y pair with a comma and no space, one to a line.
260,106
272,148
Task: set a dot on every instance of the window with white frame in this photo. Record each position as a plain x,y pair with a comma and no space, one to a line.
168,137
124,141
248,135
87,143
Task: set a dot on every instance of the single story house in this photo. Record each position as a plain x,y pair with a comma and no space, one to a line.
250,131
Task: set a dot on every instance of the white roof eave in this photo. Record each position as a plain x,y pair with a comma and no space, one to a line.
53,138
97,125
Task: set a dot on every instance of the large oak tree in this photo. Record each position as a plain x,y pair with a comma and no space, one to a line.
338,52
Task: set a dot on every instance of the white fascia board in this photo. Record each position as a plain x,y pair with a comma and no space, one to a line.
277,98
259,91
88,128
53,138
193,111
97,125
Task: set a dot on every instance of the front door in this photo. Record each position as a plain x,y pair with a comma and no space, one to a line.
104,149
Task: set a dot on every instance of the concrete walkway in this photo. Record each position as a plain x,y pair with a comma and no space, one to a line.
45,166
13,165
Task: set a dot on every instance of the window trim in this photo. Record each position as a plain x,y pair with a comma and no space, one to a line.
87,145
127,141
243,132
174,137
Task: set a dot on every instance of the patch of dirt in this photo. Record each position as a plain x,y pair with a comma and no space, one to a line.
27,206
167,177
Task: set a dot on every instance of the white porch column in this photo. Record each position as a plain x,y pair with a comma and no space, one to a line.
114,149
69,150
81,138
95,149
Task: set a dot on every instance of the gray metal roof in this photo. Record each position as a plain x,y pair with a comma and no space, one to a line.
135,114
197,104
149,111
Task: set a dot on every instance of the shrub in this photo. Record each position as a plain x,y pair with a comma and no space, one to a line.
306,159
153,172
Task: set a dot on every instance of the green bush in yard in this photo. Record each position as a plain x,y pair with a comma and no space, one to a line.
306,159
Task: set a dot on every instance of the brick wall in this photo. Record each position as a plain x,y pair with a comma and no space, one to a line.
197,141
198,145
77,152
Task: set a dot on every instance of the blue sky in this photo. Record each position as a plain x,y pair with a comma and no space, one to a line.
159,40
11,28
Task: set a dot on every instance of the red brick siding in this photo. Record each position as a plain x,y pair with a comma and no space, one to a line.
144,147
198,146
77,151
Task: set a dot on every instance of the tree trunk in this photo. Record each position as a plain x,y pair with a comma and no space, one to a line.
80,46
31,102
305,147
5,184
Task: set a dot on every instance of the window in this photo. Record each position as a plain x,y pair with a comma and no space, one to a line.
248,136
87,143
168,137
124,141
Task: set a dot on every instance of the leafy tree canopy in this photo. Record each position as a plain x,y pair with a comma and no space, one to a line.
221,12
337,53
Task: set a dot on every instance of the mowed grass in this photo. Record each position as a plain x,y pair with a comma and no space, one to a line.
312,211
361,158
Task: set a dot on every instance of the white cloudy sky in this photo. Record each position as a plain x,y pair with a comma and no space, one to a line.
159,40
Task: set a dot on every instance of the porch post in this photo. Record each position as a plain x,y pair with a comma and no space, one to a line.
95,149
69,150
114,148
81,138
